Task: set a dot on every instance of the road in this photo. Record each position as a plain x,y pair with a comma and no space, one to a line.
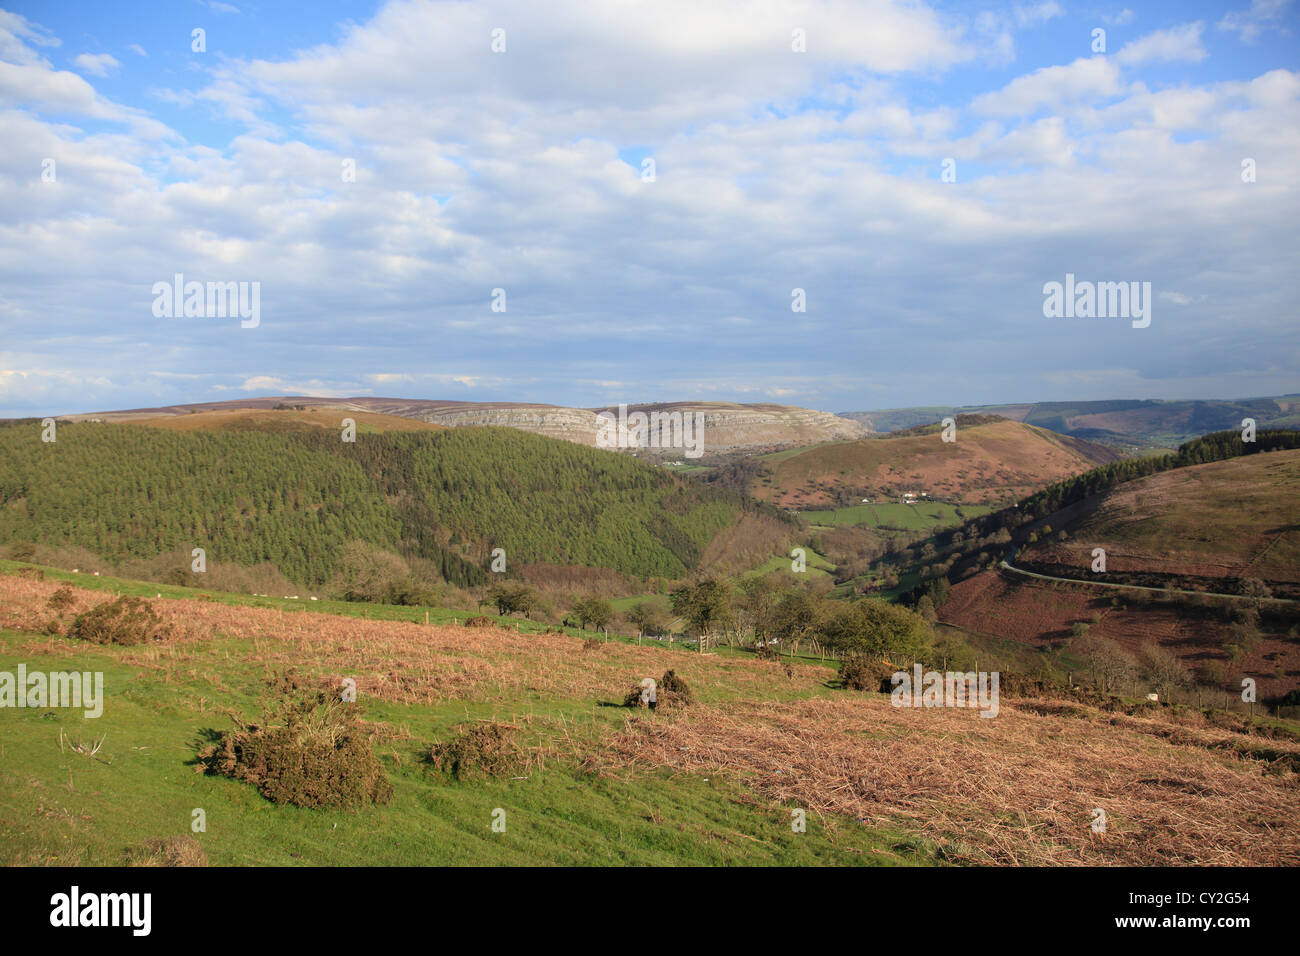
1134,587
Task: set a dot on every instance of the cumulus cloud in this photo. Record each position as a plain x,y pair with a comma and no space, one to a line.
1052,87
1251,23
521,171
99,64
1177,44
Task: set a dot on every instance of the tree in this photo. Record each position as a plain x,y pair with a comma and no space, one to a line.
1164,670
593,610
797,617
1111,666
647,617
512,599
756,610
706,606
878,628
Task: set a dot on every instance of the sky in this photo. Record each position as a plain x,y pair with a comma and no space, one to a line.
455,200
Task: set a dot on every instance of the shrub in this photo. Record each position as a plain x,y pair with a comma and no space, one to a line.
864,672
483,750
61,600
22,551
480,622
127,621
308,751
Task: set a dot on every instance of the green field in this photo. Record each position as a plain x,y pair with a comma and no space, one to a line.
61,807
923,516
818,565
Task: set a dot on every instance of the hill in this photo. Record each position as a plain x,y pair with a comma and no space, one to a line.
279,419
991,461
292,494
1209,528
1126,424
726,426
584,781
1222,520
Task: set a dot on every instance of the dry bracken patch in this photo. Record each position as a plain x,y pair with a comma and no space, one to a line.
1019,788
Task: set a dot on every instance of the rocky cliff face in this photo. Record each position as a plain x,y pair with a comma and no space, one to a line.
730,427
726,427
571,424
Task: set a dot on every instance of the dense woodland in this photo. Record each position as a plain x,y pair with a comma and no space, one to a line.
295,497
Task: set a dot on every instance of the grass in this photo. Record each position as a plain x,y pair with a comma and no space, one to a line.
817,565
712,784
922,516
60,807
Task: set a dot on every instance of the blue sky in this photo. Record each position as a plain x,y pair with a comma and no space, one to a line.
775,170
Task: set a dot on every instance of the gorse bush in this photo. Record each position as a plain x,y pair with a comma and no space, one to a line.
309,750
61,600
480,750
127,621
864,672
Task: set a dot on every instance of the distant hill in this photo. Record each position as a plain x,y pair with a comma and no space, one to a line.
727,427
1210,527
1126,424
264,419
993,460
1238,518
257,488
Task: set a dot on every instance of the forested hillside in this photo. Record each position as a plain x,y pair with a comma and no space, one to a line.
295,496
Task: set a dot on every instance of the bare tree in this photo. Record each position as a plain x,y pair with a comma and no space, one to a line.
1164,670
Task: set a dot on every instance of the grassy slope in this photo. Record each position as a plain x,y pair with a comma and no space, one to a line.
990,462
59,807
712,785
1234,518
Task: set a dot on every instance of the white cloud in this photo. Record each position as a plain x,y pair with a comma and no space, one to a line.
478,171
1032,15
16,32
1052,87
1252,22
98,64
1177,44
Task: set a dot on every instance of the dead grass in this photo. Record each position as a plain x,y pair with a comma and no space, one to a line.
174,851
394,661
1018,788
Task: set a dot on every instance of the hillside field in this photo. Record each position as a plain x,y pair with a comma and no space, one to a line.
1225,519
715,781
989,463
